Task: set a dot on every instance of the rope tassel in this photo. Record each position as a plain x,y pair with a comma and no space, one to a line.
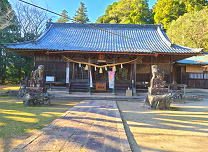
101,70
86,67
114,69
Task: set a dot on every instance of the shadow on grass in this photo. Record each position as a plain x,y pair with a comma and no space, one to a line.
18,121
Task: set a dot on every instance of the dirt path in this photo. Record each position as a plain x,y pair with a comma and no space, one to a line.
182,129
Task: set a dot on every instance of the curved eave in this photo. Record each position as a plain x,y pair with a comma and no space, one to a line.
97,52
165,38
35,41
193,64
75,51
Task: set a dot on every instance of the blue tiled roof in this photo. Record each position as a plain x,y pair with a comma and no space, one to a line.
134,38
200,60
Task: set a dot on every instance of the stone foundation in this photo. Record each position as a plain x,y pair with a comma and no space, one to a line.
159,101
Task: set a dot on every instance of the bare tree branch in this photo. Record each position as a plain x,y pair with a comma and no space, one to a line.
31,20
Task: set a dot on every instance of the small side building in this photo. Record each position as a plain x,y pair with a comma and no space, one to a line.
81,55
194,72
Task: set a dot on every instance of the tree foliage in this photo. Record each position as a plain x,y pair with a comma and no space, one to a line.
168,10
7,30
128,12
191,29
81,14
26,24
64,17
6,14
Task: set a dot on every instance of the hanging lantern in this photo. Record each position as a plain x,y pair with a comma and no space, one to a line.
79,65
86,67
95,68
106,68
114,69
121,66
101,70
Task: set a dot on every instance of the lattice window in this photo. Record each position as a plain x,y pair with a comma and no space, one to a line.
196,75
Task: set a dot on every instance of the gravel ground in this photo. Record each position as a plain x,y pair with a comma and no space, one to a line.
184,128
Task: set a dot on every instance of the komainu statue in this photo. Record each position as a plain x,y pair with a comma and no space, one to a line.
158,96
157,84
37,77
34,90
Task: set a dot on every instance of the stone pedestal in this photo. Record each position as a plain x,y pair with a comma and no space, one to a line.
159,101
35,92
129,92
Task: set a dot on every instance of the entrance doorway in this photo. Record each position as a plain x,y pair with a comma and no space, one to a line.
100,79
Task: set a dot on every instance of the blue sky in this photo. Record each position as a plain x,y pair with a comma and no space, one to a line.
95,8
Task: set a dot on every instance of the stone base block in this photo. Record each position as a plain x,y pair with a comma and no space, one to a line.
159,101
129,93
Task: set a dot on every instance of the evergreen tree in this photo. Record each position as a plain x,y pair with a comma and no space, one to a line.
128,12
190,29
108,17
81,14
6,31
13,66
168,10
64,17
6,14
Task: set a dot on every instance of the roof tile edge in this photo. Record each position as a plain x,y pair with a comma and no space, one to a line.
6,45
163,37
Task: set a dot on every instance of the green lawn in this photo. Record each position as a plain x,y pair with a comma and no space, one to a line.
18,122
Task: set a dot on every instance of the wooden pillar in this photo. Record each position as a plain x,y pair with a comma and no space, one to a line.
174,74
73,72
131,74
181,79
72,76
114,88
134,78
171,70
89,70
67,73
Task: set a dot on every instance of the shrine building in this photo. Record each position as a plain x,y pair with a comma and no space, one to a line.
194,71
104,57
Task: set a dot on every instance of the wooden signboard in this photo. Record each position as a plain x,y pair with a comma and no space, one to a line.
101,58
100,86
50,78
194,69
